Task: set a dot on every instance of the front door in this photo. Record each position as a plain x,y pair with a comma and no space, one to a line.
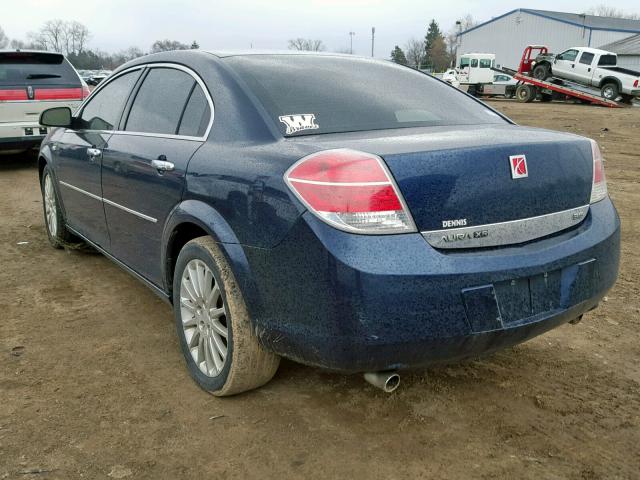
565,64
78,153
144,166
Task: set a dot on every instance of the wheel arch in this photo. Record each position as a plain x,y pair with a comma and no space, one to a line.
192,219
615,80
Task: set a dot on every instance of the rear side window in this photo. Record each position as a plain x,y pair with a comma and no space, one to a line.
104,108
485,63
196,116
312,94
28,68
159,104
586,58
607,61
474,62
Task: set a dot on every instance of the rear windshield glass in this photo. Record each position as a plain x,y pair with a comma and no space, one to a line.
607,61
25,68
316,94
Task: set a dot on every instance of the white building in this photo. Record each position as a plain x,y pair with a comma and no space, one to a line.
628,50
508,34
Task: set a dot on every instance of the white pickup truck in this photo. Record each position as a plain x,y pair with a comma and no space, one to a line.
591,67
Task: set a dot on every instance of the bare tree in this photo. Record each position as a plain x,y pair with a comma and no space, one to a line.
604,10
76,36
452,37
18,44
53,35
306,44
166,45
4,40
415,52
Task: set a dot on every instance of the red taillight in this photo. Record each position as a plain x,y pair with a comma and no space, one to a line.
350,190
13,95
635,84
85,91
58,94
599,184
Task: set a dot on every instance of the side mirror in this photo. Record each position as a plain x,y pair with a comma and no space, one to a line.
56,117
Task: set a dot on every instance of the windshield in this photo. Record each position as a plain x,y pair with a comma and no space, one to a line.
27,68
323,94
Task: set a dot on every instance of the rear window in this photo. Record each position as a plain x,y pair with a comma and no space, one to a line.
316,94
27,68
607,61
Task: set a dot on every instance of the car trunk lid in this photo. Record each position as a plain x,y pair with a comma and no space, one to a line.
461,177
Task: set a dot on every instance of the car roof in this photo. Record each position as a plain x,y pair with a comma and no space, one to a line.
242,53
593,50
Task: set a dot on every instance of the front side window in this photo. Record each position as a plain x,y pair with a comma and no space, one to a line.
586,58
569,55
464,62
103,110
306,95
160,102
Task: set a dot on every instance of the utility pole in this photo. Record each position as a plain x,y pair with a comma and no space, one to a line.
373,37
351,34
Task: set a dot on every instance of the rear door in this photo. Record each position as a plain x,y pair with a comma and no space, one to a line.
584,67
31,82
78,154
145,163
565,64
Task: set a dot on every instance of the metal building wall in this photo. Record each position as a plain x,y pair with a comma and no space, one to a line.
509,35
631,62
603,37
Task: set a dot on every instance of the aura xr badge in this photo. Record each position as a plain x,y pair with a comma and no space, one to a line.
518,166
297,123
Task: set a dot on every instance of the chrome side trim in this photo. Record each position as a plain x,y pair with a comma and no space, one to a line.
88,194
128,210
506,233
109,202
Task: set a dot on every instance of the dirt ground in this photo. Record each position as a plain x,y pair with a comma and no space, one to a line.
92,382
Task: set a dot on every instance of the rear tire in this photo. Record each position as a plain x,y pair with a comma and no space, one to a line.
57,232
610,91
525,93
541,72
217,339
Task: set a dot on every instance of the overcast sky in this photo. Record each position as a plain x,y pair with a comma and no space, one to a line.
240,24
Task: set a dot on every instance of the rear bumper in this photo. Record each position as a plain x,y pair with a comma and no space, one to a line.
363,303
13,136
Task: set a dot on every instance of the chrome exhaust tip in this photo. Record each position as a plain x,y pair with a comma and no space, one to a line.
386,381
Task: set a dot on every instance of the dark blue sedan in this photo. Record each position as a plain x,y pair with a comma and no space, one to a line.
342,212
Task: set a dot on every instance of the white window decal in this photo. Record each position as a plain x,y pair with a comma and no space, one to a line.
297,123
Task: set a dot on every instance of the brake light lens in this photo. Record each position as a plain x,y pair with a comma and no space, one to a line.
599,185
350,190
12,95
58,94
635,84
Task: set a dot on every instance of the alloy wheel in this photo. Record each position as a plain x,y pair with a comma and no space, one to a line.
50,207
204,318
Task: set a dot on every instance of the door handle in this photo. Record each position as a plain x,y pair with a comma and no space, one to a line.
573,65
162,166
94,153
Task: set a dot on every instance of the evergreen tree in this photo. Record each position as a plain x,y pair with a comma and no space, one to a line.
433,46
398,56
